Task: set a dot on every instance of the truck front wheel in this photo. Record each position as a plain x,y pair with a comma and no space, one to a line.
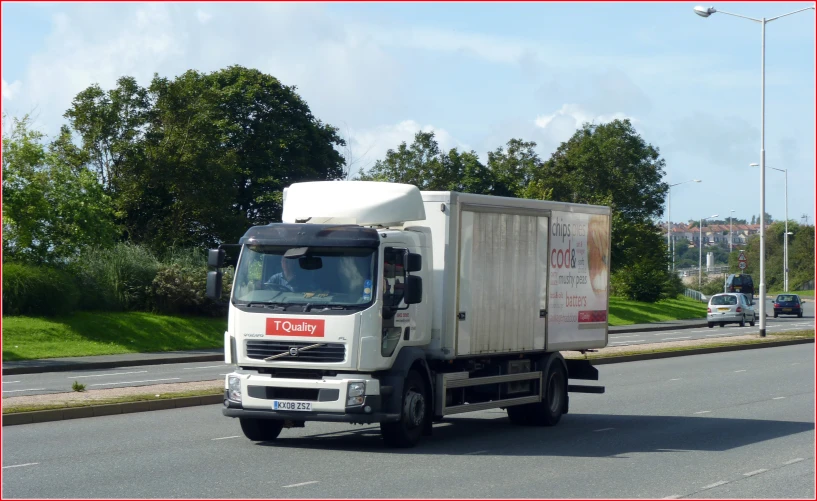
414,412
261,430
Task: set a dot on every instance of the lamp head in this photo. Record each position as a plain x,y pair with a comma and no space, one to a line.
703,11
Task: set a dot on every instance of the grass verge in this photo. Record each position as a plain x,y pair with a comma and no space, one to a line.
87,333
626,312
115,400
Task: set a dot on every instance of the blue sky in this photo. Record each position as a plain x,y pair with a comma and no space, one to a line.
477,74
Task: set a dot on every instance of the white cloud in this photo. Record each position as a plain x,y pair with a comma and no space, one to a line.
10,89
203,17
370,145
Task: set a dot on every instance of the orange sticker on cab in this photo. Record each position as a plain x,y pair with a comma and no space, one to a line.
295,327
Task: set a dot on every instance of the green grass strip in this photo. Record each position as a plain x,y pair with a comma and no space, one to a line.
626,312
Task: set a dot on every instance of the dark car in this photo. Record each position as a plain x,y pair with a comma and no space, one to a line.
788,304
739,283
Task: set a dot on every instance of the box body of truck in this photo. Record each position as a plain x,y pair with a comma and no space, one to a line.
432,303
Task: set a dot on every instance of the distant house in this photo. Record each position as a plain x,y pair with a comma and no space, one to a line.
713,234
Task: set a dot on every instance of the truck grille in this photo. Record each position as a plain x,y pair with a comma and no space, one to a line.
327,352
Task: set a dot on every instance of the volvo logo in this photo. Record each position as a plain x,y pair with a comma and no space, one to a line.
293,351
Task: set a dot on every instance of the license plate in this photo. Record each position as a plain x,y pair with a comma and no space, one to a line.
786,309
723,309
286,405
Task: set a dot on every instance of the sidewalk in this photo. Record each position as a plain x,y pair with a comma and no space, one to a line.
217,354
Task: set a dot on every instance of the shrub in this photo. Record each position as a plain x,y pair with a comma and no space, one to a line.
645,282
38,290
712,285
180,285
119,278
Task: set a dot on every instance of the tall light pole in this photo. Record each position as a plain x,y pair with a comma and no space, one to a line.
706,12
786,231
669,221
730,230
701,246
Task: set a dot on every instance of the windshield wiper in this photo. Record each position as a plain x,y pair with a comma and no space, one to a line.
266,304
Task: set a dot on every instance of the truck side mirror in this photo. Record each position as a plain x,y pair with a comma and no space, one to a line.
414,262
413,290
214,284
215,258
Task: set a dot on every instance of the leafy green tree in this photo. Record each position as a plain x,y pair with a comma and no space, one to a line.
53,206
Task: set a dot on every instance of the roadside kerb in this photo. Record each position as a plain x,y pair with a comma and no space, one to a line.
175,403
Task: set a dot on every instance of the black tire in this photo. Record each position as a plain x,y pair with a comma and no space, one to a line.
800,315
413,416
752,322
261,430
549,411
775,315
722,324
743,321
710,324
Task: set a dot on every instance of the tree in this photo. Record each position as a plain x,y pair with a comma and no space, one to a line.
53,206
518,171
197,159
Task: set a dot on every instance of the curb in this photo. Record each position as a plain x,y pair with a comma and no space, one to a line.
655,329
175,403
697,351
78,366
107,409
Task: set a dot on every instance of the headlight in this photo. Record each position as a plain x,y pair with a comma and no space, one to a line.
234,388
354,393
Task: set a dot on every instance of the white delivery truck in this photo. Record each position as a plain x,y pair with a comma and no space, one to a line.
378,303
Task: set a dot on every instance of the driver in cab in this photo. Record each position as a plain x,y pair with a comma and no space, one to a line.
291,277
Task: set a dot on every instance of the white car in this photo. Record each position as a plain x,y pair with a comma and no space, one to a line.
729,308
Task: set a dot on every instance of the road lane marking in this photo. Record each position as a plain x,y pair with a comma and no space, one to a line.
143,381
206,367
301,484
672,338
20,465
742,370
792,461
474,453
752,473
10,382
702,412
675,379
622,337
225,438
778,398
674,496
605,429
625,342
716,484
30,389
110,374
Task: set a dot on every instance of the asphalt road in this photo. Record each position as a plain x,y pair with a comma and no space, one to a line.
737,424
60,382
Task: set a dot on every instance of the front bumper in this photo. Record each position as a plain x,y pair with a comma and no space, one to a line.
327,397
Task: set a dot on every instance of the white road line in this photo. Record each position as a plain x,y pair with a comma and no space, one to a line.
752,473
622,337
301,484
143,381
111,374
20,465
792,461
10,382
674,496
225,438
742,370
716,335
675,379
702,412
672,338
206,367
30,389
474,453
605,429
625,342
710,486
778,398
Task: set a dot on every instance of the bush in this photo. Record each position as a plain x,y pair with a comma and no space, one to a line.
115,279
712,285
645,282
180,285
38,290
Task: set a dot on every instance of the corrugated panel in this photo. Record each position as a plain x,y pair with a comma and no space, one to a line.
499,283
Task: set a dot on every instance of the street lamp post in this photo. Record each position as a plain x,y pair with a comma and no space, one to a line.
786,231
730,230
669,221
706,12
701,246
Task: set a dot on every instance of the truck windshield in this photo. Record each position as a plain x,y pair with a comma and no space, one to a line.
320,276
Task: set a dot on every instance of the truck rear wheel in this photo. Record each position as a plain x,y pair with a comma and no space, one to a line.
414,413
549,411
261,430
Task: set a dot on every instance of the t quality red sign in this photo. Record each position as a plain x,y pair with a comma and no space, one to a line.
294,327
